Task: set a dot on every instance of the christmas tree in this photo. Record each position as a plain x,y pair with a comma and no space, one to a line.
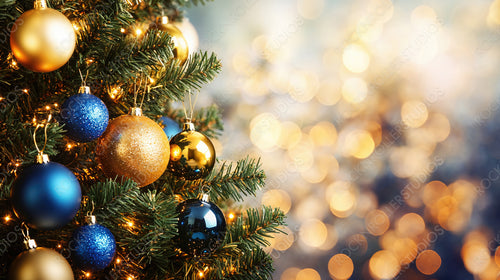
87,170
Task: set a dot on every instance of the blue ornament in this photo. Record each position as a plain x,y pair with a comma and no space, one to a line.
201,226
85,116
46,195
92,246
170,127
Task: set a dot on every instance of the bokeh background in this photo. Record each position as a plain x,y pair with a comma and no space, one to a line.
377,123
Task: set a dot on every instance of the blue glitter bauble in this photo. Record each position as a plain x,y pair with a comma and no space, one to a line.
92,247
170,127
46,196
201,226
85,117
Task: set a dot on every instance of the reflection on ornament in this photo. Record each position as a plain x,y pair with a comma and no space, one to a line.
42,39
170,126
134,146
189,32
192,154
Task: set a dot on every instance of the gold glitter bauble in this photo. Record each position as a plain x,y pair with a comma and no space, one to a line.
40,264
135,147
181,49
192,154
42,39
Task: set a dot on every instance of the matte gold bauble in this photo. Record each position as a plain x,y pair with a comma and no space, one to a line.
134,146
181,49
192,154
40,264
42,39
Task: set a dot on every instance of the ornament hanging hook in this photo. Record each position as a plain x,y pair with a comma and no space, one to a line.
41,156
84,81
191,105
30,243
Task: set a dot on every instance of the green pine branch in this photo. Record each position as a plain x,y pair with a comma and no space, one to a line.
206,120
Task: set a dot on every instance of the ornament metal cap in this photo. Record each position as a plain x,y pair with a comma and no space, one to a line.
42,158
188,125
204,197
91,219
30,244
84,89
40,4
135,111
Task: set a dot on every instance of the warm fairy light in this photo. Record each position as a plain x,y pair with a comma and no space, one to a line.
118,261
151,80
89,61
76,27
25,90
17,164
47,107
130,224
138,32
56,105
164,19
341,267
355,58
122,30
313,233
69,146
231,216
59,246
13,63
201,274
130,278
7,218
115,92
1,98
87,274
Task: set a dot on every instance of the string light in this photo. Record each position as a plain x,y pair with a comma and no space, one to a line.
47,107
76,27
69,146
118,260
201,274
138,32
164,19
130,278
56,105
130,224
7,218
87,274
89,61
59,246
115,92
1,98
122,30
25,90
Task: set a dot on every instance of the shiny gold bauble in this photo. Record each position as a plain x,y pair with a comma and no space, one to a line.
192,154
181,49
42,39
189,32
40,264
133,146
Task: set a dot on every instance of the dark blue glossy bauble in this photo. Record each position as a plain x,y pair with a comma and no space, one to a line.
92,247
46,196
201,226
170,127
85,117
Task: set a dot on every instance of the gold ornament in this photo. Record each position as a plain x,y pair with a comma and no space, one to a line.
181,49
40,264
42,39
192,154
189,32
133,146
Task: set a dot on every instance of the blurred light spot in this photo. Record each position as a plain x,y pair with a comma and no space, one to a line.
405,250
310,9
493,18
354,90
358,243
265,131
323,134
410,225
375,130
433,191
387,240
422,17
367,201
358,143
476,256
241,62
355,58
369,32
290,135
414,113
302,155
407,162
342,197
340,267
303,86
329,92
313,233
310,207
384,265
331,238
428,262
377,222
277,199
438,126
290,273
282,241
